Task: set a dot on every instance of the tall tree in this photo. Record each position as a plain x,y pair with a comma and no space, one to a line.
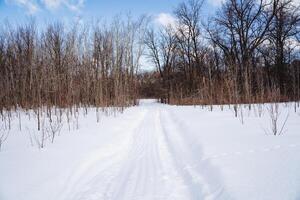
282,34
239,28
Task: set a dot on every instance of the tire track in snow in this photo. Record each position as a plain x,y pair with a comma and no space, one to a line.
91,178
143,170
202,178
148,172
159,163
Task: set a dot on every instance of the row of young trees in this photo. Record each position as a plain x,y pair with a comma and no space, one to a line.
248,52
66,66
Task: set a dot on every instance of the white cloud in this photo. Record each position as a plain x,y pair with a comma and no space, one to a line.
293,44
165,19
146,64
216,2
52,4
30,5
74,5
296,2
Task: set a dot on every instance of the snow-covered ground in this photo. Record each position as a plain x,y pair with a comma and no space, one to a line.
156,151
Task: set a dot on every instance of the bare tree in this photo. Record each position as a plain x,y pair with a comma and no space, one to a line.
239,29
189,38
162,52
282,32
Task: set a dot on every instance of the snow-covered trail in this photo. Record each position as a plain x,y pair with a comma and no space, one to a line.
156,152
156,163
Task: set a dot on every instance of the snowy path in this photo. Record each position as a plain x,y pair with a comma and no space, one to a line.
156,152
156,164
145,170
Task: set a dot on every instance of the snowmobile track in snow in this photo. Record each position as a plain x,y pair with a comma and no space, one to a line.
158,163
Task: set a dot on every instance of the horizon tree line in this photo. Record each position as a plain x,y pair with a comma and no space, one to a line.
65,66
248,52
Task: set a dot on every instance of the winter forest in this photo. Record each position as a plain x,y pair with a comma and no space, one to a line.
201,107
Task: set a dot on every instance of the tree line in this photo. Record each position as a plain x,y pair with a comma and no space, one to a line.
70,65
248,52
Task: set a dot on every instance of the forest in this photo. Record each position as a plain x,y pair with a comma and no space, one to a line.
247,53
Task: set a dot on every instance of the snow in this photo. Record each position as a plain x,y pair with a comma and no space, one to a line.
156,151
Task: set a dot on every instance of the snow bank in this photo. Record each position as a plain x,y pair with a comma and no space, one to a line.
155,151
251,163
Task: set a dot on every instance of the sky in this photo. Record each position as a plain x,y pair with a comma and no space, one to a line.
73,10
70,11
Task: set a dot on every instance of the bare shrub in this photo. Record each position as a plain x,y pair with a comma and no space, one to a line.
4,132
37,137
40,136
54,128
274,112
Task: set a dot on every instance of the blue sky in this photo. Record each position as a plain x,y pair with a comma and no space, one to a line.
72,10
45,11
